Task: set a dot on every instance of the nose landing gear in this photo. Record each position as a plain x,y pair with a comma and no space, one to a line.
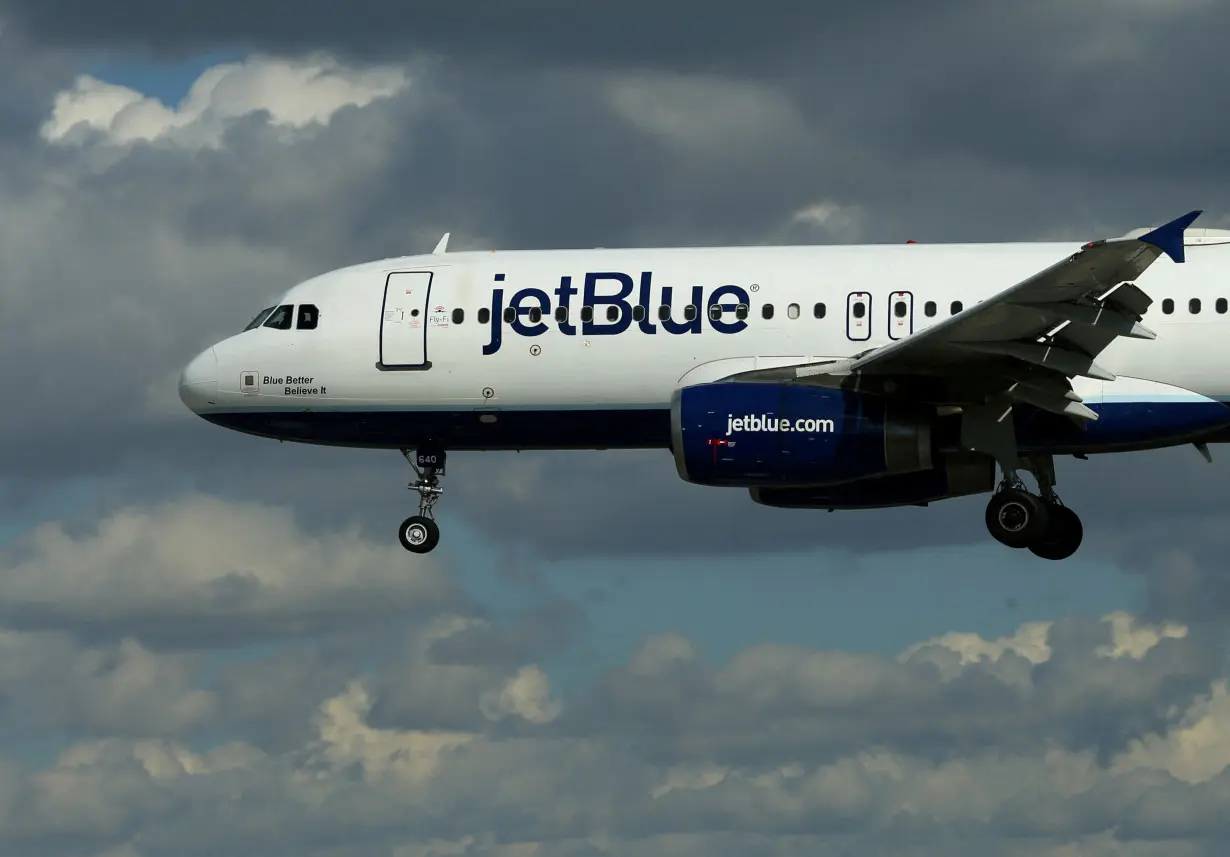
420,533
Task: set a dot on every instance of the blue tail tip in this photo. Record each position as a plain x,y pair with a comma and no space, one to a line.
1169,238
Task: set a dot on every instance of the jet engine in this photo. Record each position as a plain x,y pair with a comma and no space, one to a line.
753,434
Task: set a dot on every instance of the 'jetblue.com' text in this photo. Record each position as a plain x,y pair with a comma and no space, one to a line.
768,422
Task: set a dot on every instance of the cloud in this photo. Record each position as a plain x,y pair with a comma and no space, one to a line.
575,783
295,94
202,570
121,689
184,649
525,695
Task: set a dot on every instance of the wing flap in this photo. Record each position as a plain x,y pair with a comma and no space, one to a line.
1061,360
1108,319
1128,299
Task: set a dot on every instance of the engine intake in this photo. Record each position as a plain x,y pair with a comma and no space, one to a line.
746,434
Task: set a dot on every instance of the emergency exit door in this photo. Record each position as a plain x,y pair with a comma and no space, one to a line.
900,315
858,316
403,322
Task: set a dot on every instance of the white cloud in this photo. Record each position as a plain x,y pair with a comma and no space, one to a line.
1029,642
1131,639
200,565
580,785
296,94
526,695
410,755
1196,749
825,214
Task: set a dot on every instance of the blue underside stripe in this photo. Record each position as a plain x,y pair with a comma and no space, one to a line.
1123,424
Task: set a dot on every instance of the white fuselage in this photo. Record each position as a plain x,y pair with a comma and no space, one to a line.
446,369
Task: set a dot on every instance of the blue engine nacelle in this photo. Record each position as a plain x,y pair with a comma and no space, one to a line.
952,478
751,434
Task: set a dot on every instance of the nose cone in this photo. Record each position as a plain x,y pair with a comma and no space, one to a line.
198,385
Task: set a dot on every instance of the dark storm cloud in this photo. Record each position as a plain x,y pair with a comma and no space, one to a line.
30,75
1057,85
543,32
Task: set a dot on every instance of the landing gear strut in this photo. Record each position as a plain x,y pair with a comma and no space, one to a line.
1039,522
419,533
1015,517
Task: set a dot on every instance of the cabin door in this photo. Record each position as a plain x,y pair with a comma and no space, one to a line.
403,321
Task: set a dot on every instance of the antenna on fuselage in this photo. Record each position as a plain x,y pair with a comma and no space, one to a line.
442,247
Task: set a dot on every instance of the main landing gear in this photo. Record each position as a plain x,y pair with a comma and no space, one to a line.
1039,522
1015,517
419,533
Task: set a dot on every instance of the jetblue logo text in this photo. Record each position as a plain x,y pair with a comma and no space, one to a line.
532,310
768,422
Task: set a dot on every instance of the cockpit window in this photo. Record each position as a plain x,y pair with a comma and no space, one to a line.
308,316
260,318
280,318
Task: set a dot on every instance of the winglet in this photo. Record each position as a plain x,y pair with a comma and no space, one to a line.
1169,238
442,247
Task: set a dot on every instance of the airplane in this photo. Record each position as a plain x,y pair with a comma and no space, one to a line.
828,377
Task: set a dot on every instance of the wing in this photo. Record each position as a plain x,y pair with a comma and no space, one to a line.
1025,343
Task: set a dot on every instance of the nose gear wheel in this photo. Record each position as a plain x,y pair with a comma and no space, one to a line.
420,533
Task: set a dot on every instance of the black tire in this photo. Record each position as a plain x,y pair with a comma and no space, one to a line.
1016,518
1063,535
419,534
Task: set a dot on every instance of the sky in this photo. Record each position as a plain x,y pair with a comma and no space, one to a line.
599,660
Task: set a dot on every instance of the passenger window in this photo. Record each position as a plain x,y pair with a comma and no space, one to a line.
638,313
664,312
741,311
280,318
1221,305
260,318
510,315
561,313
792,311
899,309
860,310
1168,306
820,310
535,314
1193,306
308,316
715,312
956,307
612,313
689,312
929,308
484,316
587,314
459,315
766,311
